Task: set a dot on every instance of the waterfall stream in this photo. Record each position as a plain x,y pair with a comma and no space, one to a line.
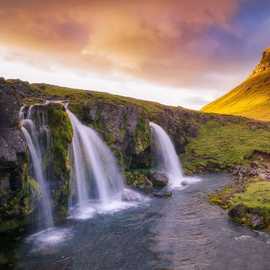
167,159
99,183
31,133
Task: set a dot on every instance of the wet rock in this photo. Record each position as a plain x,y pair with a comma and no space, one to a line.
159,179
139,181
184,183
238,211
162,194
251,217
257,221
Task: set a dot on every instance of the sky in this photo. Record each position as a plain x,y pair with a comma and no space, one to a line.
177,52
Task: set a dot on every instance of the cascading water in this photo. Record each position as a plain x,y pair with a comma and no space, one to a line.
31,133
95,171
167,159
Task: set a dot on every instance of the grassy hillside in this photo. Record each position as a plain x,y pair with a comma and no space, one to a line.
209,142
205,142
251,98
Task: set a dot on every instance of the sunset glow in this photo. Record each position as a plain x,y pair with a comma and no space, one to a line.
177,52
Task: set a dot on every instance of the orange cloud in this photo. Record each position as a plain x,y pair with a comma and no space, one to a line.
156,39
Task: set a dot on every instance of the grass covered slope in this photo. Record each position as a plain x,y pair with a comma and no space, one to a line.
205,142
251,98
223,145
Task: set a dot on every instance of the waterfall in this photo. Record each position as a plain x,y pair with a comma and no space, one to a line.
31,134
167,159
95,170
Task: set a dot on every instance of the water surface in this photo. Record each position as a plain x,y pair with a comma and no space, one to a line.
183,232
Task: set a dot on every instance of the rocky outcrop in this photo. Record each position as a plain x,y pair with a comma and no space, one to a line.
55,136
251,97
15,185
264,64
19,192
124,127
158,179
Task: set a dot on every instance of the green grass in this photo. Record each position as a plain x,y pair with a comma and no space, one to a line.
247,202
256,195
252,204
221,146
85,96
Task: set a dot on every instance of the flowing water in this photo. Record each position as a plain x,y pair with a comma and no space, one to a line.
180,233
31,135
167,159
99,183
184,232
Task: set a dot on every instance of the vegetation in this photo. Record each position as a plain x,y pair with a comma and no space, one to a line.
250,206
221,146
205,142
90,97
58,156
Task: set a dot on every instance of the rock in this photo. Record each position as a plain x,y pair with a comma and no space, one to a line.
148,186
184,183
162,194
251,217
265,175
238,211
257,221
159,179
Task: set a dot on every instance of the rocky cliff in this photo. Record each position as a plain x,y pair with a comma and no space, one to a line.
264,65
205,142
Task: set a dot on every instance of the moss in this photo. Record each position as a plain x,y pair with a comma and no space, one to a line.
248,205
256,195
61,137
61,134
220,146
222,198
142,135
252,204
17,205
139,179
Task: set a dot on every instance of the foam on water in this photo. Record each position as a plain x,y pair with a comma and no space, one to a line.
48,238
99,183
129,199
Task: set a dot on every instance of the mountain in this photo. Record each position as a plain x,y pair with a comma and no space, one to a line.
251,98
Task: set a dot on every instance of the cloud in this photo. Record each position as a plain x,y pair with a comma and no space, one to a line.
155,39
174,42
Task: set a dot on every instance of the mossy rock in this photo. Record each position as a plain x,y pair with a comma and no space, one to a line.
58,158
139,179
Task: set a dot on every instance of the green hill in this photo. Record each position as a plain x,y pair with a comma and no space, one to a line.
251,98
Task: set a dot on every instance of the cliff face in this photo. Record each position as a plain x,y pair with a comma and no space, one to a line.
251,98
19,192
264,65
15,199
205,142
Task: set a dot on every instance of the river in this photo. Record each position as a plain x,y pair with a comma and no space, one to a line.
183,232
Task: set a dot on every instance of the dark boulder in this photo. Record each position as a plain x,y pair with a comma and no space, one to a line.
158,179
